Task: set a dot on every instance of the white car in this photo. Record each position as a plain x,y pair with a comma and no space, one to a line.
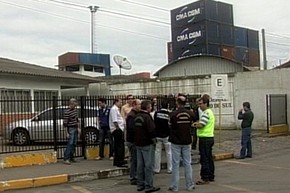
40,127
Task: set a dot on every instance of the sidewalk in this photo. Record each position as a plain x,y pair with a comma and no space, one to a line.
83,170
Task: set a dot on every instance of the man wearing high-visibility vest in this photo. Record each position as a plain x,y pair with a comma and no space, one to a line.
205,134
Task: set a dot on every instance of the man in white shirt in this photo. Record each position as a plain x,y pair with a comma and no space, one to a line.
116,123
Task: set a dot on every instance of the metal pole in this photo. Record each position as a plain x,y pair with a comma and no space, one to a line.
93,10
264,50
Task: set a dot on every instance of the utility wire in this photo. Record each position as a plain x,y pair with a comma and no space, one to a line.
280,44
110,12
278,35
146,5
82,21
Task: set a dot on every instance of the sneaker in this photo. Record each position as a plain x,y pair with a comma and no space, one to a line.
153,189
98,158
133,182
73,161
190,188
169,172
172,190
67,162
111,158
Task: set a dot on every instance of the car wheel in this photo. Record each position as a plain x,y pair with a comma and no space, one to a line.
91,136
20,137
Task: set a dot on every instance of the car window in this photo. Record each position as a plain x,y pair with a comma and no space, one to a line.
47,115
88,113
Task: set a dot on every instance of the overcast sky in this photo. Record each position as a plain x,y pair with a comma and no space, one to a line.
38,31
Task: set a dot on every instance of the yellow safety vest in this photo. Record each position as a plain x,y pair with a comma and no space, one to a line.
208,129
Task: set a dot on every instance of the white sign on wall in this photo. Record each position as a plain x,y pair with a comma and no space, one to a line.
219,86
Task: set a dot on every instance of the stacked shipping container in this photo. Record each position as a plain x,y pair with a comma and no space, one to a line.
206,27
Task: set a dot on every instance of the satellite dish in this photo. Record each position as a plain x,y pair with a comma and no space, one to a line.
122,62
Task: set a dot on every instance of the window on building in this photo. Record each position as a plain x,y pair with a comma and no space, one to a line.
15,101
43,99
73,68
98,69
88,68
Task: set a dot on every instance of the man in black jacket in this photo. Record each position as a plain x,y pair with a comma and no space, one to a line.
130,129
247,116
181,122
161,119
144,139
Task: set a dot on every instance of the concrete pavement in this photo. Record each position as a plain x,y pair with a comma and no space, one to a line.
227,144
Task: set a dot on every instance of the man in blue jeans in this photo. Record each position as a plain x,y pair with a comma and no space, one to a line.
71,125
145,139
247,117
180,125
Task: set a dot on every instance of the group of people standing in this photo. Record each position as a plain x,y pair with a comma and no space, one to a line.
145,133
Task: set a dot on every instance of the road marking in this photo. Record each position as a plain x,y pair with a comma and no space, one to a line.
251,164
81,189
238,188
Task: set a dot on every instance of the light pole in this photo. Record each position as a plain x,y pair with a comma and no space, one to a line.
93,10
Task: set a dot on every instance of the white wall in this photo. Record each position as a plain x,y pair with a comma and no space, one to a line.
254,86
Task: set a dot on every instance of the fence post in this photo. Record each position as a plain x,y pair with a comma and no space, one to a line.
82,118
54,105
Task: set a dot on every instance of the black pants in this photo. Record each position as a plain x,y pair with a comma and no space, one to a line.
105,133
194,138
119,147
206,159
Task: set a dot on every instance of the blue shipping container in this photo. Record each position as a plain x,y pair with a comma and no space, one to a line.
202,10
241,37
225,13
253,39
200,33
227,35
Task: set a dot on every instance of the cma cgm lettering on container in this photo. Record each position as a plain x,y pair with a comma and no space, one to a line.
199,33
202,10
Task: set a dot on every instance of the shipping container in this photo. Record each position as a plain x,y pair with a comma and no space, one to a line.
242,55
100,59
253,39
225,13
228,52
254,58
200,33
169,52
192,13
241,37
227,35
68,58
210,49
202,10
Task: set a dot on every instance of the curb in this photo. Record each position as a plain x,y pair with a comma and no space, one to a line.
79,177
27,159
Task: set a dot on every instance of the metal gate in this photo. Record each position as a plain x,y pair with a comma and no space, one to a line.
276,110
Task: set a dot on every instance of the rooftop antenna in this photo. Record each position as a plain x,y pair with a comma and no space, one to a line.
122,62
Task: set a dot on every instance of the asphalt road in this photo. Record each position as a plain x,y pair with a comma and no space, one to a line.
267,173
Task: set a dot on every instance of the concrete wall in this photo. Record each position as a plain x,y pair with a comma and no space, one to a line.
254,86
244,86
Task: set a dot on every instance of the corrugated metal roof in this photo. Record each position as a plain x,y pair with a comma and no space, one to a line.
22,68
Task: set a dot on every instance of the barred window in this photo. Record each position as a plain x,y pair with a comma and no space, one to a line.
15,101
43,99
